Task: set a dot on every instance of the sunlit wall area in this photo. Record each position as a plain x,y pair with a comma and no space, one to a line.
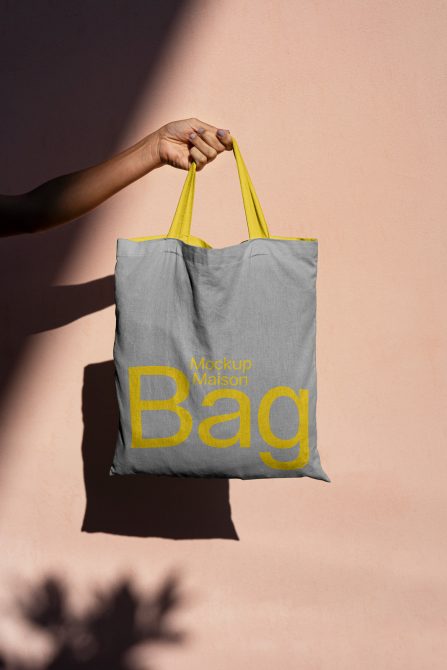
339,110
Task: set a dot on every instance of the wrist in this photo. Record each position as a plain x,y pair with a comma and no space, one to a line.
151,151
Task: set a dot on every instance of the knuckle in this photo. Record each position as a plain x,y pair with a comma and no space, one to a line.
198,157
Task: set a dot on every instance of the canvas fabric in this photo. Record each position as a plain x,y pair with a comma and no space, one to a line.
215,350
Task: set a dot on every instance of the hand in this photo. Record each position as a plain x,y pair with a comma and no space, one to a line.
69,196
178,143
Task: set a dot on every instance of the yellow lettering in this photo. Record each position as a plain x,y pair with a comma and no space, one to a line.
302,436
243,434
138,405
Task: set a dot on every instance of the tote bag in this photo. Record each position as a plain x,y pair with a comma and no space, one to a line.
214,352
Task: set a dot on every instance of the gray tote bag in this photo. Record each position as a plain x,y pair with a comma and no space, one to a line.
214,352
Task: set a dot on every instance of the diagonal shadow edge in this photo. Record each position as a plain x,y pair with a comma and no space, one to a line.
108,53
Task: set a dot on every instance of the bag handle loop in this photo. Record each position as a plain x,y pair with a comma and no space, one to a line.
256,223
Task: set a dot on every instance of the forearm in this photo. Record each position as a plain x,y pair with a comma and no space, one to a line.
69,196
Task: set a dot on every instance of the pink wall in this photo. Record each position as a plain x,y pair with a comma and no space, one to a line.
339,109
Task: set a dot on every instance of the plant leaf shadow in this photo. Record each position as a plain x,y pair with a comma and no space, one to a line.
118,623
141,505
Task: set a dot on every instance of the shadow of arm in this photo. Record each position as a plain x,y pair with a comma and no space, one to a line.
64,304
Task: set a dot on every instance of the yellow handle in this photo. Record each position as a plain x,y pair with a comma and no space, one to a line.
257,226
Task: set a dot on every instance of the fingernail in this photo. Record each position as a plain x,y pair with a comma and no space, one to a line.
200,130
221,132
192,136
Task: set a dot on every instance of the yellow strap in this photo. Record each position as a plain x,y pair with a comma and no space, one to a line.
257,225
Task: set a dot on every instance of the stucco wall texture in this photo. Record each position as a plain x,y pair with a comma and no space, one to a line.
340,112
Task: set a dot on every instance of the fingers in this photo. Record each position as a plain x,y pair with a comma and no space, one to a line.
225,138
210,147
199,159
216,137
208,144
